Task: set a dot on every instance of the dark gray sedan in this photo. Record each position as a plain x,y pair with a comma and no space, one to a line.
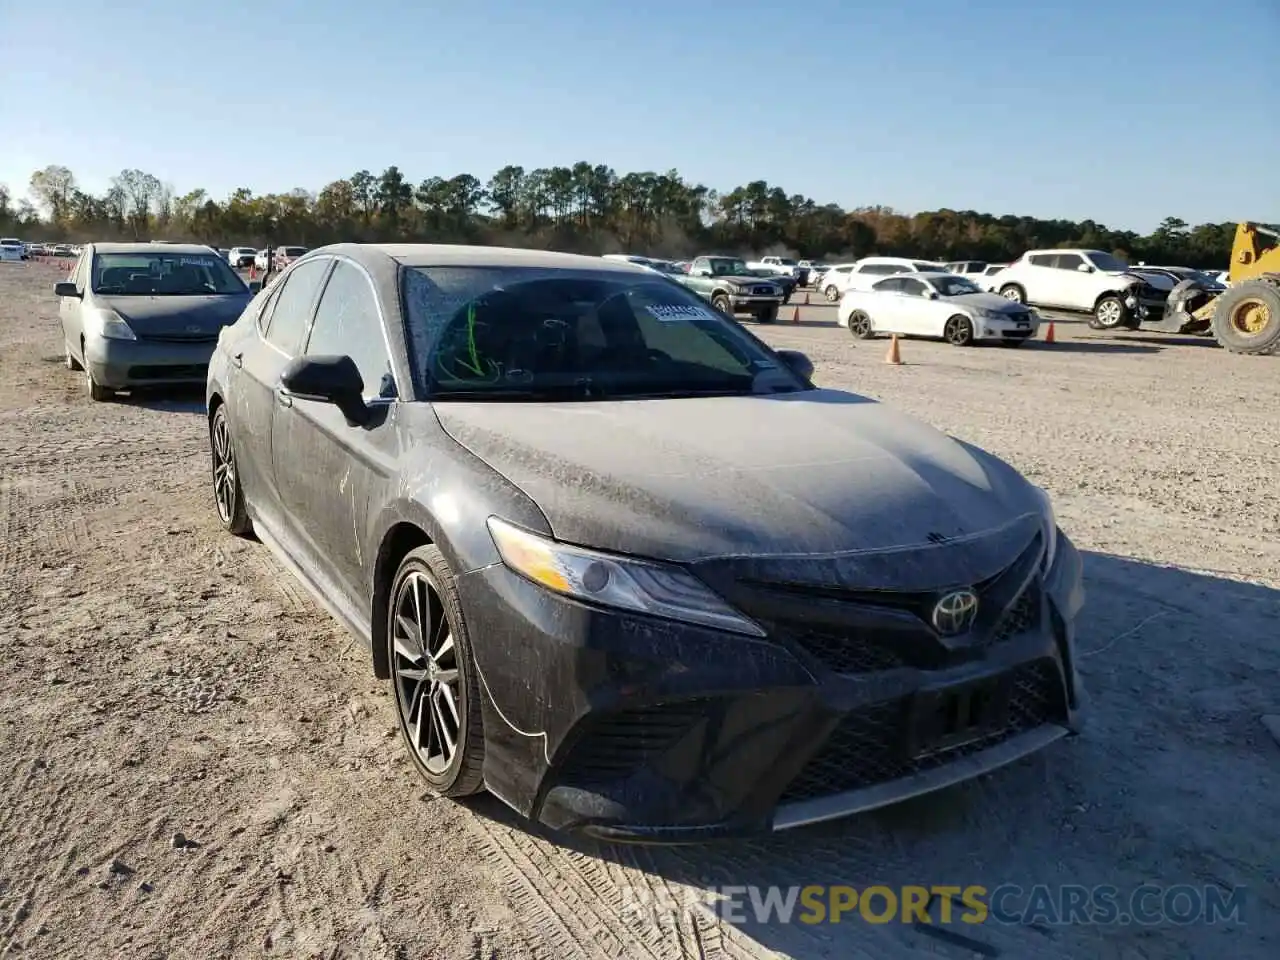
146,314
622,563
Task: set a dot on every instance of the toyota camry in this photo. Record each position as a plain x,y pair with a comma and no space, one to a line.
623,565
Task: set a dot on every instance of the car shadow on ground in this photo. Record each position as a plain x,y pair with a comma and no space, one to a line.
174,400
1098,345
1173,782
1167,340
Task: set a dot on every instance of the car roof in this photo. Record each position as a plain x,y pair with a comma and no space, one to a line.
463,255
152,247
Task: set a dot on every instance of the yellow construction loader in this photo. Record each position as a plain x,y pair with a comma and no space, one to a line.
1245,317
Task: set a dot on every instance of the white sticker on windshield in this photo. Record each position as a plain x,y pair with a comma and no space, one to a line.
677,312
195,262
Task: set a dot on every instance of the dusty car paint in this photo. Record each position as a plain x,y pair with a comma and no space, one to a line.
802,509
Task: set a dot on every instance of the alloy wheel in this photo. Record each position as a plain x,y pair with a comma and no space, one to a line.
224,469
427,678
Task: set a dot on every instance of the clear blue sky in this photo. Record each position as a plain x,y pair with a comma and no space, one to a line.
1122,112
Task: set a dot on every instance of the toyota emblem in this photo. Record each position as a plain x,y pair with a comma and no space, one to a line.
955,612
193,328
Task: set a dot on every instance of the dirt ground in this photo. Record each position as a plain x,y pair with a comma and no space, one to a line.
199,764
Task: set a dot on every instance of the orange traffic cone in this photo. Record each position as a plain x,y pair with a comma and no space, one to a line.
894,356
806,299
253,271
795,315
1048,336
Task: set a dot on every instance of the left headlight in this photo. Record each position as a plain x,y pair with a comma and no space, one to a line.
658,589
1050,522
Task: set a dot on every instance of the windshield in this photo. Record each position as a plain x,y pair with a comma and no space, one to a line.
1105,261
292,251
926,267
164,275
526,334
728,267
953,286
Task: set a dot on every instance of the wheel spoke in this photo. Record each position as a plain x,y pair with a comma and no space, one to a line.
450,698
441,723
444,650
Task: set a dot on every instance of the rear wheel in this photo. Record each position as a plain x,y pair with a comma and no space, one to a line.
958,331
1013,293
433,675
832,293
860,325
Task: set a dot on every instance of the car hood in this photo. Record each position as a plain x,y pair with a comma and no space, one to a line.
809,473
988,301
749,281
198,316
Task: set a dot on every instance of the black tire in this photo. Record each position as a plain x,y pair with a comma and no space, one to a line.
860,325
1013,293
228,494
463,773
959,331
832,293
1109,313
721,302
767,315
1239,307
97,392
68,358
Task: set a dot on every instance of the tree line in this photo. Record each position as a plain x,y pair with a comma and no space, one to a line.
587,208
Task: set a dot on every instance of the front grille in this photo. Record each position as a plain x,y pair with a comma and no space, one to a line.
186,371
189,338
762,291
868,747
614,745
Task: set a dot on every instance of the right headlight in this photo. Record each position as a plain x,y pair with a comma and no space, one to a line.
107,323
1050,521
625,583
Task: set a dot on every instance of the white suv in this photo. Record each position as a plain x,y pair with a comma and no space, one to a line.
861,274
1085,280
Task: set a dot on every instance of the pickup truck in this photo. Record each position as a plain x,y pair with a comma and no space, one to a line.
782,265
732,288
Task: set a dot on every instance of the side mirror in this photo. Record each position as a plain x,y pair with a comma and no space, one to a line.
797,363
327,379
65,288
701,273
931,295
1084,268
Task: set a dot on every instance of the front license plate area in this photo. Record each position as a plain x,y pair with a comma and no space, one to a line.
951,717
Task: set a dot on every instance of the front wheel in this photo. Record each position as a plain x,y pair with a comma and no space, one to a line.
721,303
68,358
228,495
1109,314
97,392
959,331
434,676
767,315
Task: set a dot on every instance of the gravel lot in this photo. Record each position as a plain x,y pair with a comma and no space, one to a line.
198,763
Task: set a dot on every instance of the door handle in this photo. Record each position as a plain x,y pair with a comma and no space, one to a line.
284,399
238,358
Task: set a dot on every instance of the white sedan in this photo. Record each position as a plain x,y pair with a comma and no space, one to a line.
939,305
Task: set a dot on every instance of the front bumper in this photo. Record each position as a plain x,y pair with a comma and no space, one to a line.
753,304
1000,329
641,730
124,364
